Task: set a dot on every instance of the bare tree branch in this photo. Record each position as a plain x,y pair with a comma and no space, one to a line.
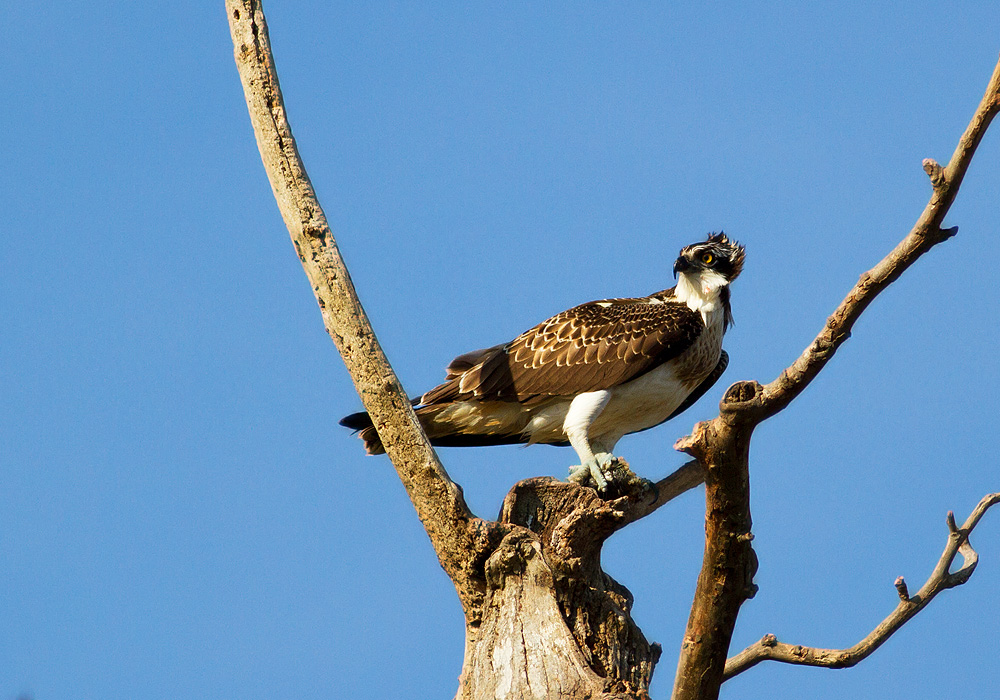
725,581
942,578
455,533
926,233
722,445
685,478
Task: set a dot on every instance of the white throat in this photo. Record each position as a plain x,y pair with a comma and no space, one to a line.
700,291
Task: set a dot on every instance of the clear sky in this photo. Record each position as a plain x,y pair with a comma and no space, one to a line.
181,516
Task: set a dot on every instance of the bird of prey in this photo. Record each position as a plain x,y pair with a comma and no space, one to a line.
590,375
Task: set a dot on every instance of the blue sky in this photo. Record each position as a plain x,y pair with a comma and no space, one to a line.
180,515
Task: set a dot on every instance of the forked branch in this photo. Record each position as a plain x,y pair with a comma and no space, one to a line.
942,578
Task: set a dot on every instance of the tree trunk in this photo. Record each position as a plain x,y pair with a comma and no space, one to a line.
553,624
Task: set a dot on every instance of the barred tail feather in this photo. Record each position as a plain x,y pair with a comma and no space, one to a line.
456,424
373,443
361,423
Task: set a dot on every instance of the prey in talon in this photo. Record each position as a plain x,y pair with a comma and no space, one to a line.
589,376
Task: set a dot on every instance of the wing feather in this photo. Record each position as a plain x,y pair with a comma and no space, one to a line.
590,347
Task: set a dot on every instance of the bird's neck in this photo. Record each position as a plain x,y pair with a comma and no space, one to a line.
707,293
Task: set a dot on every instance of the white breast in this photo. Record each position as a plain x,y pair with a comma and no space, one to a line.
650,399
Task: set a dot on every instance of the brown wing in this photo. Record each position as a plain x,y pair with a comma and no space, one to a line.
587,348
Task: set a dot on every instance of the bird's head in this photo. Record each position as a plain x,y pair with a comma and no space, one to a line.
713,263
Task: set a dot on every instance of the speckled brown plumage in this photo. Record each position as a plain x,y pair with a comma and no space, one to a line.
593,346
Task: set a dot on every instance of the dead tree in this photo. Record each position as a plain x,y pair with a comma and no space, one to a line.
542,619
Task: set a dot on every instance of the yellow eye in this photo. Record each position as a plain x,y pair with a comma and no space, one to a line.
707,258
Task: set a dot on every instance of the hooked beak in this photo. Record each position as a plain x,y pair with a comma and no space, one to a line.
681,265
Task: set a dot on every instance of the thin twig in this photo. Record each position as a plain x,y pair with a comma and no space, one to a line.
942,578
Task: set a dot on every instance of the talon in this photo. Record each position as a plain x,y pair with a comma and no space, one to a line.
592,471
597,476
579,474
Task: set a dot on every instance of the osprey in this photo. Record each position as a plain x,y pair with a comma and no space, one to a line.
590,375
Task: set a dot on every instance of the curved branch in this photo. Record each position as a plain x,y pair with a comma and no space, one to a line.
454,531
925,234
942,578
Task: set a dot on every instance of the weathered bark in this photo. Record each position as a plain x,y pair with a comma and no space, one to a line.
726,577
456,534
554,624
